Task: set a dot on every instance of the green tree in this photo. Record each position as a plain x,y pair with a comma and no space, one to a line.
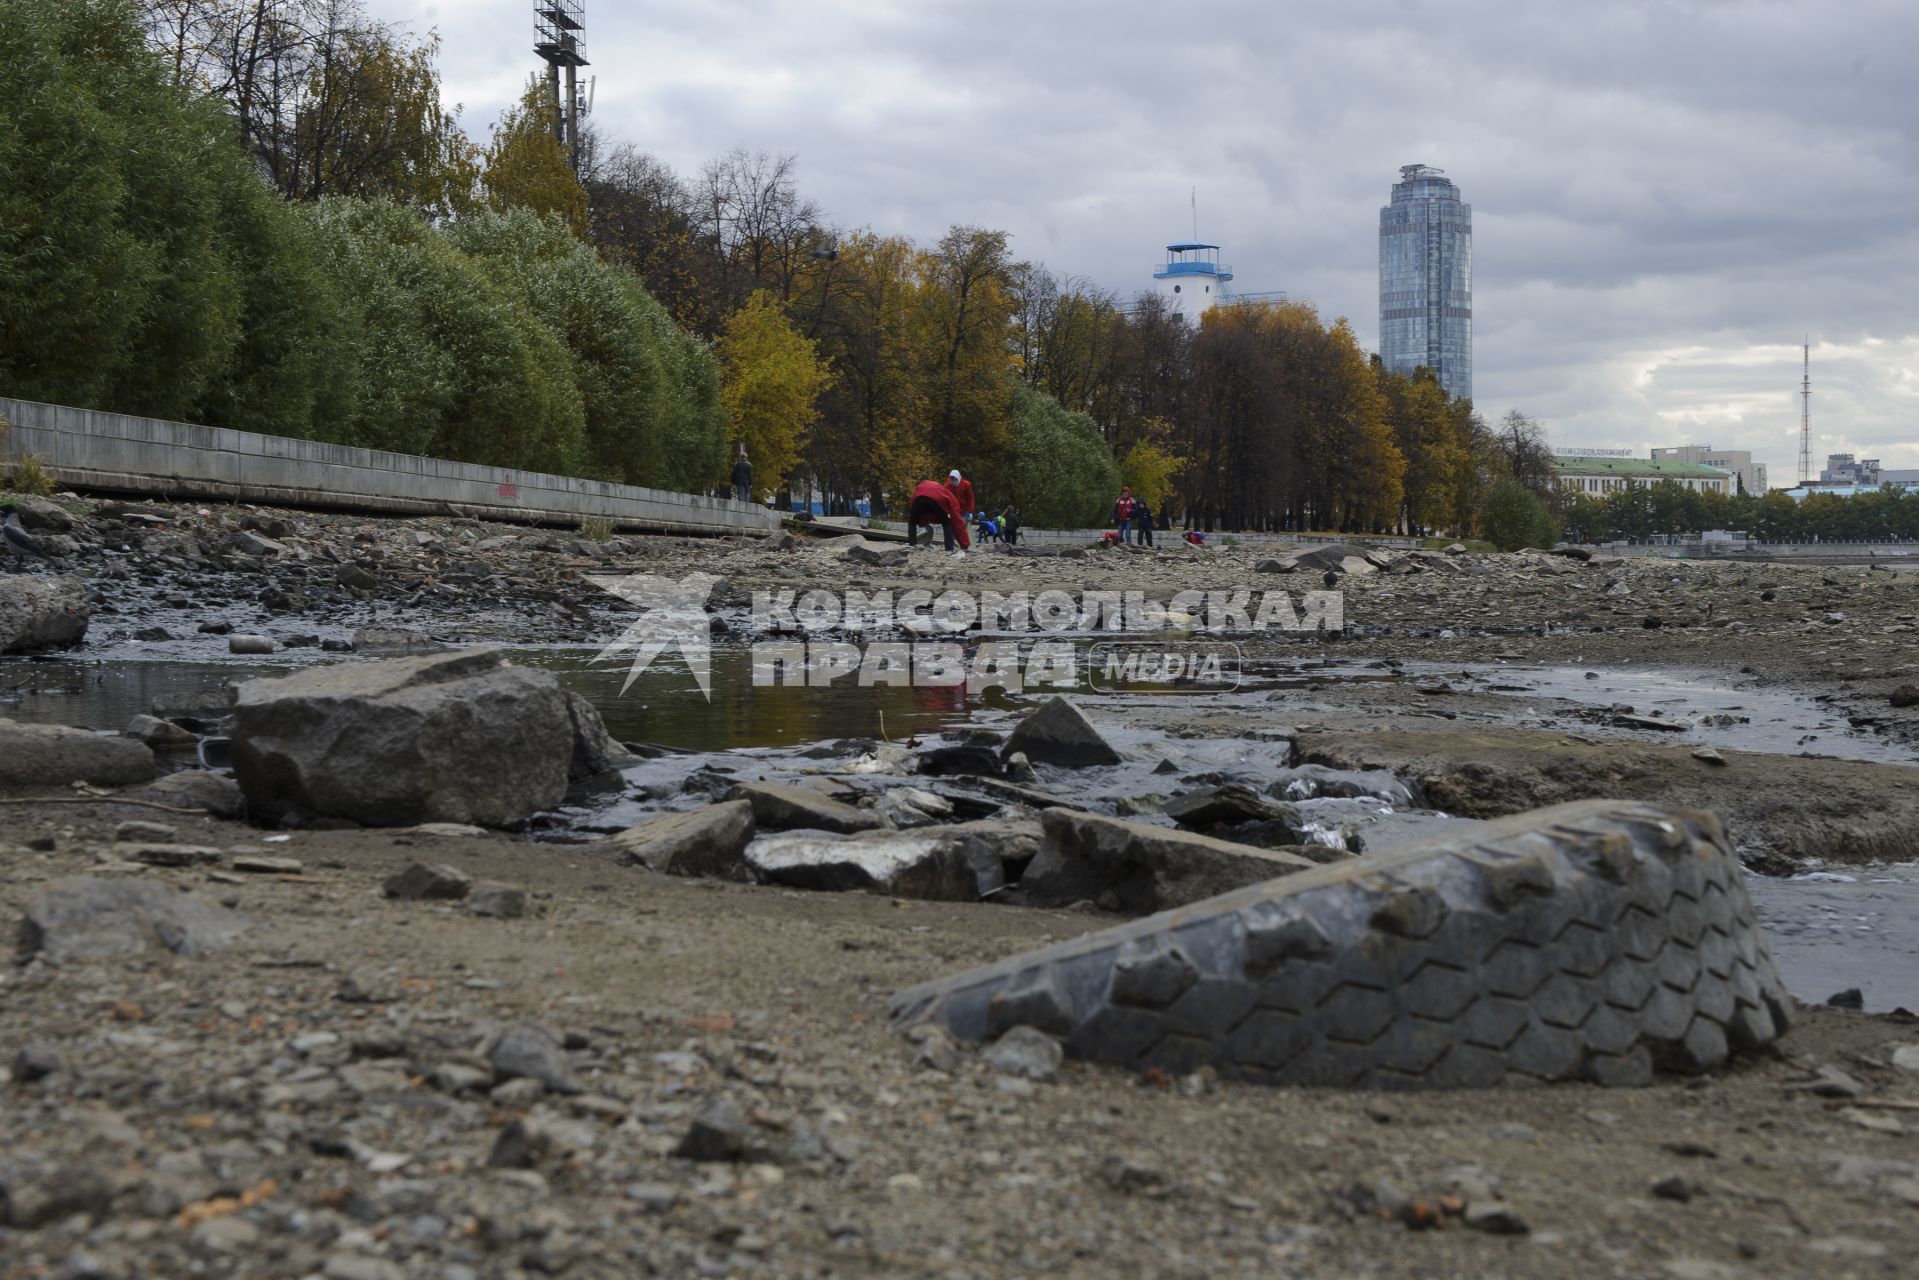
1062,475
453,365
772,380
1516,517
1150,469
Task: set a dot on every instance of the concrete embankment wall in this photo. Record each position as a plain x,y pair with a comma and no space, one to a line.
1812,552
112,452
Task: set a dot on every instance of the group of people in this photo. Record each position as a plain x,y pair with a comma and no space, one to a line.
1132,518
953,506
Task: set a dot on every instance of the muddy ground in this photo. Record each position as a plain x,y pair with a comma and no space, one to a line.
232,1115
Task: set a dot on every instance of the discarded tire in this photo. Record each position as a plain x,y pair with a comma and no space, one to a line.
1600,941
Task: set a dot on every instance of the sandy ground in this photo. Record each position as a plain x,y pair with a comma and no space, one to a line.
185,1065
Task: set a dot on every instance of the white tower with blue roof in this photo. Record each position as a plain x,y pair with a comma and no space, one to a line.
1192,281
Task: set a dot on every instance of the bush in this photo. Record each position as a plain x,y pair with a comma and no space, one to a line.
1516,517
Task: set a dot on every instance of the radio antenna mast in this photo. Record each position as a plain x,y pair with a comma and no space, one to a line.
1805,413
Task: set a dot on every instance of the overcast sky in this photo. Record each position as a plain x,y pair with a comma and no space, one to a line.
1667,198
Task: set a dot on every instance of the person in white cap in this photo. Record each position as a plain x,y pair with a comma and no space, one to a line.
962,493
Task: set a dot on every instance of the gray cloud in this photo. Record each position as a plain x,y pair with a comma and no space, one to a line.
1665,195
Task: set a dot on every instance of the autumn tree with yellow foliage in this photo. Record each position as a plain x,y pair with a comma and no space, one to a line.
527,168
772,376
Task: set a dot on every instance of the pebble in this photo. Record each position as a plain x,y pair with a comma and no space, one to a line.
501,901
1906,1057
1675,1186
526,1050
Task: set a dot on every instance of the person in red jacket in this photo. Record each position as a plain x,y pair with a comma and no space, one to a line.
933,503
962,493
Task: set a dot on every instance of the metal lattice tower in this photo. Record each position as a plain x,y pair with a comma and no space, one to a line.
1805,414
558,25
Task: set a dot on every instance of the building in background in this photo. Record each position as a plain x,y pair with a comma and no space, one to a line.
1597,476
1752,475
1426,279
1865,473
1192,281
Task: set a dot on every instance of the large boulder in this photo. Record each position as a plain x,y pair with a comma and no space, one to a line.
961,862
1059,733
87,919
705,842
448,737
1341,557
1593,941
42,613
778,807
47,755
1138,868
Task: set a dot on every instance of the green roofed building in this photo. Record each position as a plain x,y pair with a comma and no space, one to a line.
1600,476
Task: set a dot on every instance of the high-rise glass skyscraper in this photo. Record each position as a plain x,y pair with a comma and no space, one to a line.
1426,279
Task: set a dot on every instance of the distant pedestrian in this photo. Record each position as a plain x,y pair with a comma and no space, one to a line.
962,490
1009,525
933,504
988,529
743,477
1143,522
1123,513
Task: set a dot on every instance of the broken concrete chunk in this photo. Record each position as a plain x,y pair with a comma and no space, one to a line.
1136,867
961,862
46,755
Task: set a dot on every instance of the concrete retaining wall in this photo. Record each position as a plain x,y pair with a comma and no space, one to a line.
114,452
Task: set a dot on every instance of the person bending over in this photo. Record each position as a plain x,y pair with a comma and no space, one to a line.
933,504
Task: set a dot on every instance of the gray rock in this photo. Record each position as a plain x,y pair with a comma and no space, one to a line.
1229,805
138,830
450,737
156,732
36,1061
861,552
250,543
907,807
1906,695
377,639
458,1077
252,644
1024,1052
778,807
1675,1186
718,1132
960,862
45,755
85,919
1495,1219
1059,733
527,1051
708,842
41,515
218,794
1138,868
595,753
155,853
421,883
42,613
501,901
34,1197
